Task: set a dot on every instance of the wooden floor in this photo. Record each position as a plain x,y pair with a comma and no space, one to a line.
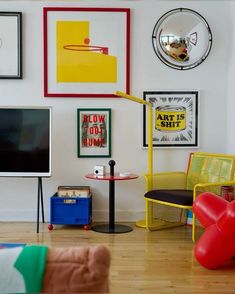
142,262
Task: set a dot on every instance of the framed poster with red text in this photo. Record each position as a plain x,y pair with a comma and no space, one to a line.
94,132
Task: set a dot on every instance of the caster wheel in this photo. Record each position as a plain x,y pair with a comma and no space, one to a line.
50,227
86,227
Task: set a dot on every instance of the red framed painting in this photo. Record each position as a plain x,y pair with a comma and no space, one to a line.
86,51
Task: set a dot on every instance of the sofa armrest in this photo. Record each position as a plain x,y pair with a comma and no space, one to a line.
81,269
166,180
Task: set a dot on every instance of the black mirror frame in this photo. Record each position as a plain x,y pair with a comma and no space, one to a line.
155,39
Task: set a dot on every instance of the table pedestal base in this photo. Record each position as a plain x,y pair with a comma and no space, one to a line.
117,229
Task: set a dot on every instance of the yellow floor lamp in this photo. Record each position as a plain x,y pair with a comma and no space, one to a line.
142,223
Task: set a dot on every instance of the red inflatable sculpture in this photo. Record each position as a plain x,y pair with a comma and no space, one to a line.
217,244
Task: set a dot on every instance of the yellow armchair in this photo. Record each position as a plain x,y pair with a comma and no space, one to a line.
206,172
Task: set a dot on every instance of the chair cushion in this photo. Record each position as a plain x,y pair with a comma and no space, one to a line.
178,196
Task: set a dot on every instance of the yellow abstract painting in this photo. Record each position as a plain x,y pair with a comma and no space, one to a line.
79,61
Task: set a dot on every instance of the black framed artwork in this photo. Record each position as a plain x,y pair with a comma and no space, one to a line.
175,118
10,45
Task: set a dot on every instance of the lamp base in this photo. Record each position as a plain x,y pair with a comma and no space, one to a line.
141,223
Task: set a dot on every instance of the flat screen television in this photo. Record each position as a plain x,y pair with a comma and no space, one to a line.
25,141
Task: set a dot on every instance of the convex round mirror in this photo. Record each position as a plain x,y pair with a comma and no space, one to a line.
182,38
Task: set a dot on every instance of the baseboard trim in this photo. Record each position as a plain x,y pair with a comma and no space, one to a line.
97,215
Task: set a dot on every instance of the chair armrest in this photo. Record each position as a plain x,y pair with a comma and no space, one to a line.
210,187
166,180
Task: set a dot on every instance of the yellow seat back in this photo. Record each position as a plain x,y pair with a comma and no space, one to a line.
210,168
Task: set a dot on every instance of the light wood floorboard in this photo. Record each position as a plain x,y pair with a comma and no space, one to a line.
142,262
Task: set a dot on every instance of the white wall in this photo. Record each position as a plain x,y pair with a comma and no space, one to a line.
231,79
18,195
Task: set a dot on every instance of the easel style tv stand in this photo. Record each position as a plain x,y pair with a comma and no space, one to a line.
40,199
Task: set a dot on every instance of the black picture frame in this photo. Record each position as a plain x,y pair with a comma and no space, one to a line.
11,45
175,119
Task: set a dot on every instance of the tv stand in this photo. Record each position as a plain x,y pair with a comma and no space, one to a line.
40,197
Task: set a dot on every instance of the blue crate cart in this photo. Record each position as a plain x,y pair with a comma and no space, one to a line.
70,211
